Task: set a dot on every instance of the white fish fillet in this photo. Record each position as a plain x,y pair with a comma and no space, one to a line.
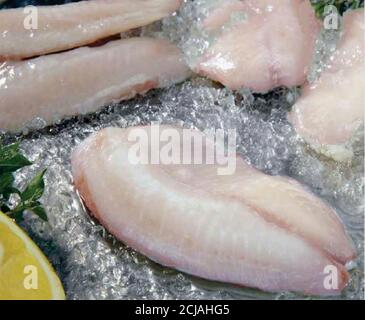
84,80
248,228
271,45
330,110
72,25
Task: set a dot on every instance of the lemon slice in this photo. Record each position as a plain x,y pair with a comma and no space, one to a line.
25,273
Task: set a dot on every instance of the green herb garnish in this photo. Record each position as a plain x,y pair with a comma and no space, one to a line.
12,160
341,5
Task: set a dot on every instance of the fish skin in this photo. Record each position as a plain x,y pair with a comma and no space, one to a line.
63,27
330,110
264,51
84,80
190,219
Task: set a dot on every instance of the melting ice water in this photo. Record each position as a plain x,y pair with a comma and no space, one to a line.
93,265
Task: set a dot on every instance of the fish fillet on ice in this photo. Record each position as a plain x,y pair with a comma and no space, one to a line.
331,109
261,44
61,27
247,228
84,80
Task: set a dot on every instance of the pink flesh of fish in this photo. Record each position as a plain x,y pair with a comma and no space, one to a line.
248,228
330,110
85,79
272,48
72,25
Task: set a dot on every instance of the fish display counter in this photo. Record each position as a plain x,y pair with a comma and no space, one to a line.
167,149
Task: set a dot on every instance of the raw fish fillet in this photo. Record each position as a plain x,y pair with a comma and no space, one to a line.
72,25
261,44
330,110
247,228
84,80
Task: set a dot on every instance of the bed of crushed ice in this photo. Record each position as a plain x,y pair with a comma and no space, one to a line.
93,265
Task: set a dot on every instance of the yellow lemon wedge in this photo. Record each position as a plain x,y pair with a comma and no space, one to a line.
25,273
